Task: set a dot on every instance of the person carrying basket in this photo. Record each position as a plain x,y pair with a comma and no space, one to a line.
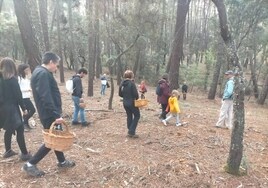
48,103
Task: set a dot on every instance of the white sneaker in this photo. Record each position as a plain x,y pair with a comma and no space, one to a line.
164,122
178,124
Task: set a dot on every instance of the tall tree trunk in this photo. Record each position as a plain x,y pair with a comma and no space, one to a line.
254,78
28,35
89,8
176,55
72,47
217,69
264,91
98,48
1,4
59,41
236,147
36,23
44,22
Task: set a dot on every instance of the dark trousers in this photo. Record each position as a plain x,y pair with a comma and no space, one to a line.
43,150
184,96
19,137
133,116
30,108
164,113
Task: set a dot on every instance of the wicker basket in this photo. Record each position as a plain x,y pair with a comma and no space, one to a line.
141,103
82,105
59,140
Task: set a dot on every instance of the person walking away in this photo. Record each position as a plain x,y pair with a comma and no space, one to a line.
142,89
226,111
25,87
77,97
11,120
174,108
184,89
164,95
47,98
129,93
103,84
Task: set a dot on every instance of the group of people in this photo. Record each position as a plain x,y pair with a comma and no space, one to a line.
18,89
48,102
170,101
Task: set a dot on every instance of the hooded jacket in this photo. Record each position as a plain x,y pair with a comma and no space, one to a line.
128,91
164,85
173,105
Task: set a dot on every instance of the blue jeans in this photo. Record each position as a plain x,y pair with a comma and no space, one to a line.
77,110
103,87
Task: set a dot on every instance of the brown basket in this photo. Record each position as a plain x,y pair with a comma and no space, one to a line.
59,140
82,105
141,103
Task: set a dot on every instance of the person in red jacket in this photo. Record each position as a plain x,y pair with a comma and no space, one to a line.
142,89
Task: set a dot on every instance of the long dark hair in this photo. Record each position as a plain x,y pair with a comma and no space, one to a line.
21,69
8,68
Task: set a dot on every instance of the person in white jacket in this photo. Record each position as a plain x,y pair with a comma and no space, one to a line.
25,87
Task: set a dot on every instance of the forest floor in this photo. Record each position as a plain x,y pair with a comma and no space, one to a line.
191,156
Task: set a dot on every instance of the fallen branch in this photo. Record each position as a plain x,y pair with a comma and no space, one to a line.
197,168
92,150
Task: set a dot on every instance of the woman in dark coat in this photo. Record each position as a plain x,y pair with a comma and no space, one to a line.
128,91
163,99
11,119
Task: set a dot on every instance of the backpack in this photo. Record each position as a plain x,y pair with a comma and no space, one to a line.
159,90
69,86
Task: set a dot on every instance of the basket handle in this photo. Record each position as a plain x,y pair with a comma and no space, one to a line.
63,123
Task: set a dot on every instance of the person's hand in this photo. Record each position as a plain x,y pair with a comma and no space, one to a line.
25,112
59,120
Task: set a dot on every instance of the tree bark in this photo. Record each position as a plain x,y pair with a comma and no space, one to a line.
236,147
217,69
44,22
59,41
72,47
254,78
33,6
91,38
264,91
1,4
28,35
176,55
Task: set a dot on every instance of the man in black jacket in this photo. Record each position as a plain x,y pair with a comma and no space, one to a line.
48,103
77,97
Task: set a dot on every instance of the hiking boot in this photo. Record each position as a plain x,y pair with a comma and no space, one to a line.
25,157
76,123
66,164
9,153
33,170
85,124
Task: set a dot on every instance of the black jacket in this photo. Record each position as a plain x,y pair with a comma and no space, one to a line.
128,91
46,94
77,85
10,116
